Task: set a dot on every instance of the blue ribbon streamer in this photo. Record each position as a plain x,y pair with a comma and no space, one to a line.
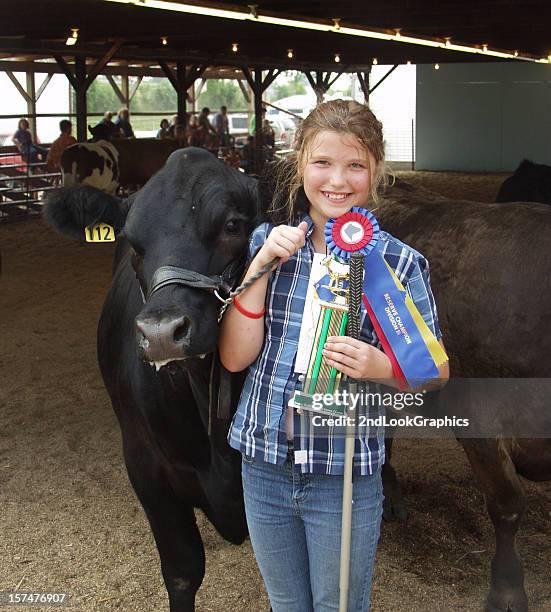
389,304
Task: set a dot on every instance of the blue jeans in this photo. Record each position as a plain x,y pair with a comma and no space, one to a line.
295,527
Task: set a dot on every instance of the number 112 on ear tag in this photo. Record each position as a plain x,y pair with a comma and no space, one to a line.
101,232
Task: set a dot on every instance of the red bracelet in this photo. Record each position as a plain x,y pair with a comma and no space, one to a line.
248,313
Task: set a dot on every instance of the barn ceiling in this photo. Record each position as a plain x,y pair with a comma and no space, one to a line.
39,28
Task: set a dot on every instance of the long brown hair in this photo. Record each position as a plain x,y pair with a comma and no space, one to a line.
343,117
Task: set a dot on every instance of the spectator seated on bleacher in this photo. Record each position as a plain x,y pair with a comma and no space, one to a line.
105,129
122,122
164,130
31,152
64,140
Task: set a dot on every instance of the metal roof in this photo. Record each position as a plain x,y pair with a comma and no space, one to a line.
34,28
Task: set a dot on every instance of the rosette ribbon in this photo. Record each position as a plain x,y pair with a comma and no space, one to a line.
406,339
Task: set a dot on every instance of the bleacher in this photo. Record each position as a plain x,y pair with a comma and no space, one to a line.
22,185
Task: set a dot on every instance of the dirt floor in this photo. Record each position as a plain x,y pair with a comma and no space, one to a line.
70,521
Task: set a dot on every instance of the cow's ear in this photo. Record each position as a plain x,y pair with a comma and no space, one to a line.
70,210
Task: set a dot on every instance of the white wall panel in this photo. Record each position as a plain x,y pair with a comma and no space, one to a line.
484,117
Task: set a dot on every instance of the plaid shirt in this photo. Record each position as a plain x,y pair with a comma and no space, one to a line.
258,427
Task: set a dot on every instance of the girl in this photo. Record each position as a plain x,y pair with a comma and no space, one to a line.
164,129
23,140
292,479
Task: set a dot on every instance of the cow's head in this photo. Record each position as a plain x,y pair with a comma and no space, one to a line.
101,131
188,230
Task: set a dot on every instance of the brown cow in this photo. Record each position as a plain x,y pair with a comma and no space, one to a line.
490,275
141,158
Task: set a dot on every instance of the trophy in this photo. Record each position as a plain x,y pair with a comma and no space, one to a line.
351,232
322,379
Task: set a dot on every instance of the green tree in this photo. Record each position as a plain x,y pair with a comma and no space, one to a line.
295,85
155,94
101,97
221,92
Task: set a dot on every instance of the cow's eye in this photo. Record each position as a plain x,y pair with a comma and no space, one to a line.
232,226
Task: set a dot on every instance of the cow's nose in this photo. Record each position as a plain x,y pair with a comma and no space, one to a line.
161,339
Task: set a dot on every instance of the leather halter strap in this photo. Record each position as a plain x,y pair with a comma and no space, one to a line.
174,275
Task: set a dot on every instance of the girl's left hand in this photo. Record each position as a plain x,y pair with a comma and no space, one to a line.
357,359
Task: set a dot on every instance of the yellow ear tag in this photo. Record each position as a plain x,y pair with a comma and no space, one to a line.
101,232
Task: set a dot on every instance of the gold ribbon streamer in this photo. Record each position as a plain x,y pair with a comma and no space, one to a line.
435,349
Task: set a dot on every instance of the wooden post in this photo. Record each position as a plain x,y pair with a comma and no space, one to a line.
33,97
80,98
250,100
80,82
192,94
182,80
259,85
31,103
71,102
181,92
258,136
125,90
320,87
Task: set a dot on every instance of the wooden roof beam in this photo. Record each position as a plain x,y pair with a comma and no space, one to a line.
363,79
66,70
116,88
383,78
102,62
43,86
18,86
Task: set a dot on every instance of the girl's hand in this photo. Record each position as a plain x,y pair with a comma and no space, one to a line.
283,242
357,359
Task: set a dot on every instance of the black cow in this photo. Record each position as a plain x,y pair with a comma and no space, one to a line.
489,272
530,183
183,235
104,131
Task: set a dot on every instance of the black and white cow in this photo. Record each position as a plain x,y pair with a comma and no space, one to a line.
91,163
156,340
124,162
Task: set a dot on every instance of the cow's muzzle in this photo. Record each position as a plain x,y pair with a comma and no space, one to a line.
161,340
